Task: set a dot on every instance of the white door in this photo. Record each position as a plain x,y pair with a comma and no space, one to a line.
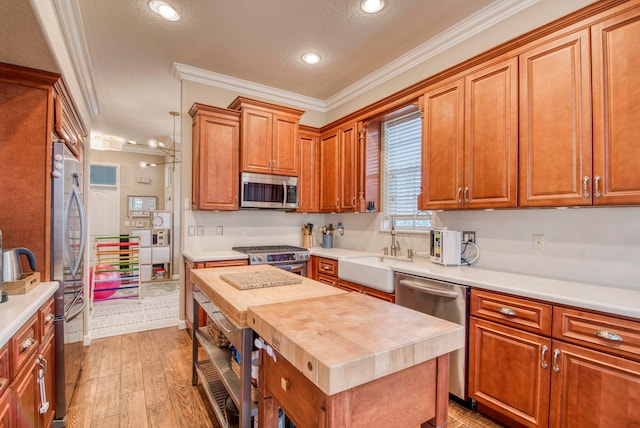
104,211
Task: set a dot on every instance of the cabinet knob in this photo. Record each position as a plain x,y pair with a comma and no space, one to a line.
28,343
284,384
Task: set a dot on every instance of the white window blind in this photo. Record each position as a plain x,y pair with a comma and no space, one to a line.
402,145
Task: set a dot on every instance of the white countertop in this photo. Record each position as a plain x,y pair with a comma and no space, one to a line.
16,311
610,299
213,255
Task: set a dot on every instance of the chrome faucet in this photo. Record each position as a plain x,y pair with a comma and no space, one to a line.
395,245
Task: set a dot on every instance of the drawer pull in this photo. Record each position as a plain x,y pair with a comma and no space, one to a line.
284,384
326,267
506,311
556,367
544,362
604,334
28,343
49,318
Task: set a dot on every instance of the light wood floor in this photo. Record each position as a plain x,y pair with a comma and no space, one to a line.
139,380
144,380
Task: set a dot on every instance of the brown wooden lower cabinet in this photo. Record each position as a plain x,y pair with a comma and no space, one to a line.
541,380
188,287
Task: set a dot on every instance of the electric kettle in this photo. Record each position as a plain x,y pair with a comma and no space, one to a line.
11,267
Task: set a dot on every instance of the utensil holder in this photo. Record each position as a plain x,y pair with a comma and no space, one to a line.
327,241
307,241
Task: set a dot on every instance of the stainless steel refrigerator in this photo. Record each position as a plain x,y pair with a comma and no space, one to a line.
68,241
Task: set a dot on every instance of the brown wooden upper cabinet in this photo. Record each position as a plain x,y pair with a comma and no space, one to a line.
339,169
470,139
215,154
308,179
563,161
555,122
269,141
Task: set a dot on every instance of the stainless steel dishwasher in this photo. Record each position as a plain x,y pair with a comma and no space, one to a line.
444,300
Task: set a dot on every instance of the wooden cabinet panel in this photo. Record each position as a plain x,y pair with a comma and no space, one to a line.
509,371
286,146
442,146
602,332
524,314
23,345
348,167
308,179
555,122
257,134
491,136
215,169
26,396
329,172
328,266
67,123
5,411
616,109
593,389
47,351
4,369
326,279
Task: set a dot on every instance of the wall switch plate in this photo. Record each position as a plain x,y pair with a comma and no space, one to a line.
219,230
192,230
187,205
538,241
127,223
200,230
469,236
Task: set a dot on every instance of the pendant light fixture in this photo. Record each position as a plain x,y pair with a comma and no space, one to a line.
171,152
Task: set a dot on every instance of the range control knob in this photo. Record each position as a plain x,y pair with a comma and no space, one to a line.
253,258
260,259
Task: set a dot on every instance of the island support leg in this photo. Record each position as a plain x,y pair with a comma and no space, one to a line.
442,394
194,342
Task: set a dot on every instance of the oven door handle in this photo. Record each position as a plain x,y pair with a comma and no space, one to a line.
428,290
284,197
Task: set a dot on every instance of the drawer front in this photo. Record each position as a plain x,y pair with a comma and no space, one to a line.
300,399
513,311
46,317
23,345
328,267
4,369
603,332
223,263
329,280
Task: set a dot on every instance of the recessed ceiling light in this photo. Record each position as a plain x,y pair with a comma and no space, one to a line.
164,9
372,6
311,58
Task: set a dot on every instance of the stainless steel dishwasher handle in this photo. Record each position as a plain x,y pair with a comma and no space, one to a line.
428,290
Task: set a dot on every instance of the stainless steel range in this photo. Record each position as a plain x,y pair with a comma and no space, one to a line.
287,257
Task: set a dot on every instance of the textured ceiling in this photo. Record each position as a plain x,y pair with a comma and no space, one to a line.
132,50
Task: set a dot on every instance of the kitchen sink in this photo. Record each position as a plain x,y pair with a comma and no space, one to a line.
371,271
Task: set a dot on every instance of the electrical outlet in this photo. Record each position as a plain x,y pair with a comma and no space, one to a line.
538,241
192,230
219,230
469,236
200,230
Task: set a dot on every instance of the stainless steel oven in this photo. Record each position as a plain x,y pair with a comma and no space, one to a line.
286,257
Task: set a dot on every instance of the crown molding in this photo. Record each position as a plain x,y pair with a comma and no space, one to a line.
68,12
198,75
463,30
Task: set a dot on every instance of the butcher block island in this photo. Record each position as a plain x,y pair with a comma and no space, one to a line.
329,358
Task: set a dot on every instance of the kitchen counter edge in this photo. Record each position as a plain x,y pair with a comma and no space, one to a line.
213,255
16,311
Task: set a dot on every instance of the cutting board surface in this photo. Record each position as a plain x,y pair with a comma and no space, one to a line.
345,340
234,302
261,279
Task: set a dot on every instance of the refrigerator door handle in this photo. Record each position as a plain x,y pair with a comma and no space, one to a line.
72,314
74,265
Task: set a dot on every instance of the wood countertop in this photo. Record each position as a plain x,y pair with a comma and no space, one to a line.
233,302
345,340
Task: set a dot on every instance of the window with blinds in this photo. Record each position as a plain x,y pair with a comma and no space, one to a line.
402,147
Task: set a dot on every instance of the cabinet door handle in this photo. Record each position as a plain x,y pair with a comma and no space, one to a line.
585,182
270,164
28,343
274,164
507,311
458,200
44,403
466,195
337,203
608,335
237,201
353,202
556,367
544,362
596,182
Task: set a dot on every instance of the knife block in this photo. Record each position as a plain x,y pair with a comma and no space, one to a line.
307,241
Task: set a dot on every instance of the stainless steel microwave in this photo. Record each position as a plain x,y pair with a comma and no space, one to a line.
268,191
